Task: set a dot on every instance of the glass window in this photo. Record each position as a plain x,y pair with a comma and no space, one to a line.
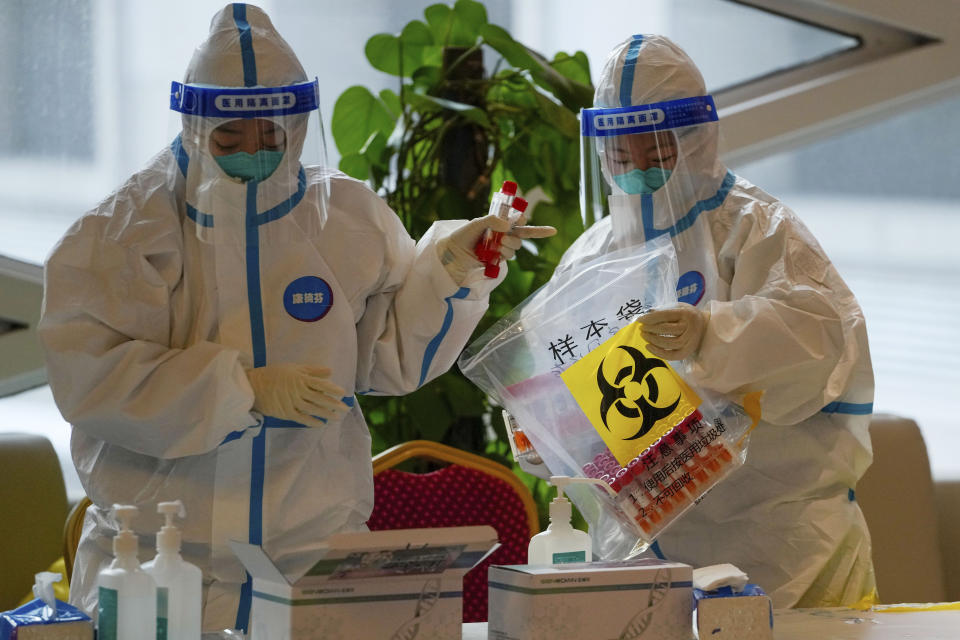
50,116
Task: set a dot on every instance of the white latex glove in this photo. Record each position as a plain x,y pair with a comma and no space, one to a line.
674,333
457,249
296,392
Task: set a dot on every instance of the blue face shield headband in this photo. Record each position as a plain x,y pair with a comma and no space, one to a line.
244,102
645,118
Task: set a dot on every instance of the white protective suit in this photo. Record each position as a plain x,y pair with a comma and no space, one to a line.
158,300
781,321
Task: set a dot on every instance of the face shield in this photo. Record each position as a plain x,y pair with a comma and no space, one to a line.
250,156
647,166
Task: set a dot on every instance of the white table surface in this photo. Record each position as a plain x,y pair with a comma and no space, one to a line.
474,631
881,623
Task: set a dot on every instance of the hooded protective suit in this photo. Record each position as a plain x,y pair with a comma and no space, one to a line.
159,299
781,321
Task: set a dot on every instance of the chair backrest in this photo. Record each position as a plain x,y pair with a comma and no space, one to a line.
33,503
897,498
71,534
470,490
948,511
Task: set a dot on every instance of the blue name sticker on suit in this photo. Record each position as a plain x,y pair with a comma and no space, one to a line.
308,298
690,287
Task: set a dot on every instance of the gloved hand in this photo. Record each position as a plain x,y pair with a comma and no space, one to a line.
296,392
674,333
457,249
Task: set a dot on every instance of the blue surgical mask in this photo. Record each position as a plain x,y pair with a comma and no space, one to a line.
639,181
250,166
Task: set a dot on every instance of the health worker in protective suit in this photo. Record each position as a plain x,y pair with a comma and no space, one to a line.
208,325
761,309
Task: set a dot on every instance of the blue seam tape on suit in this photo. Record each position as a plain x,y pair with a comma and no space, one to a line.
629,67
258,446
434,344
849,408
287,206
183,160
687,221
246,44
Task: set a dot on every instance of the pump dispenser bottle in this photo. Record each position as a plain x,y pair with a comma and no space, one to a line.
179,583
560,543
127,609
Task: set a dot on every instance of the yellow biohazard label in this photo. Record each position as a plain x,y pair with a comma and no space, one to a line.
631,397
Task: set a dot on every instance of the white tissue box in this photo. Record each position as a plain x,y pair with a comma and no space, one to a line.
30,623
590,600
724,614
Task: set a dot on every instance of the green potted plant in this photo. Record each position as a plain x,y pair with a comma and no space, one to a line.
435,147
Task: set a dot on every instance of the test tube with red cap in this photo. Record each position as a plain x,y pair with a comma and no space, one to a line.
506,205
492,268
500,204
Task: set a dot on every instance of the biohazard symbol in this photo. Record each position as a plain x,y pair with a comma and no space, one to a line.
643,406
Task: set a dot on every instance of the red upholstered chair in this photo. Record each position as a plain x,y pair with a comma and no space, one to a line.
470,490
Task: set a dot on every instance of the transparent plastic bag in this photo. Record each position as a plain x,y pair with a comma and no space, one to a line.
548,363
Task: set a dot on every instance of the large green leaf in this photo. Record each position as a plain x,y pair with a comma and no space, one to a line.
426,78
462,395
418,103
469,112
415,42
452,205
558,117
357,114
514,52
383,52
419,47
457,26
440,17
547,213
575,67
429,411
392,101
355,166
572,94
375,150
570,171
515,287
472,15
523,166
510,89
378,441
566,220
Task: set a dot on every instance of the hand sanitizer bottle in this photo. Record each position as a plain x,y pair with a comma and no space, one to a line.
179,583
560,542
127,609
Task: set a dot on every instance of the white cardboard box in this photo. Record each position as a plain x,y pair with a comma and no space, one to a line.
403,583
644,598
